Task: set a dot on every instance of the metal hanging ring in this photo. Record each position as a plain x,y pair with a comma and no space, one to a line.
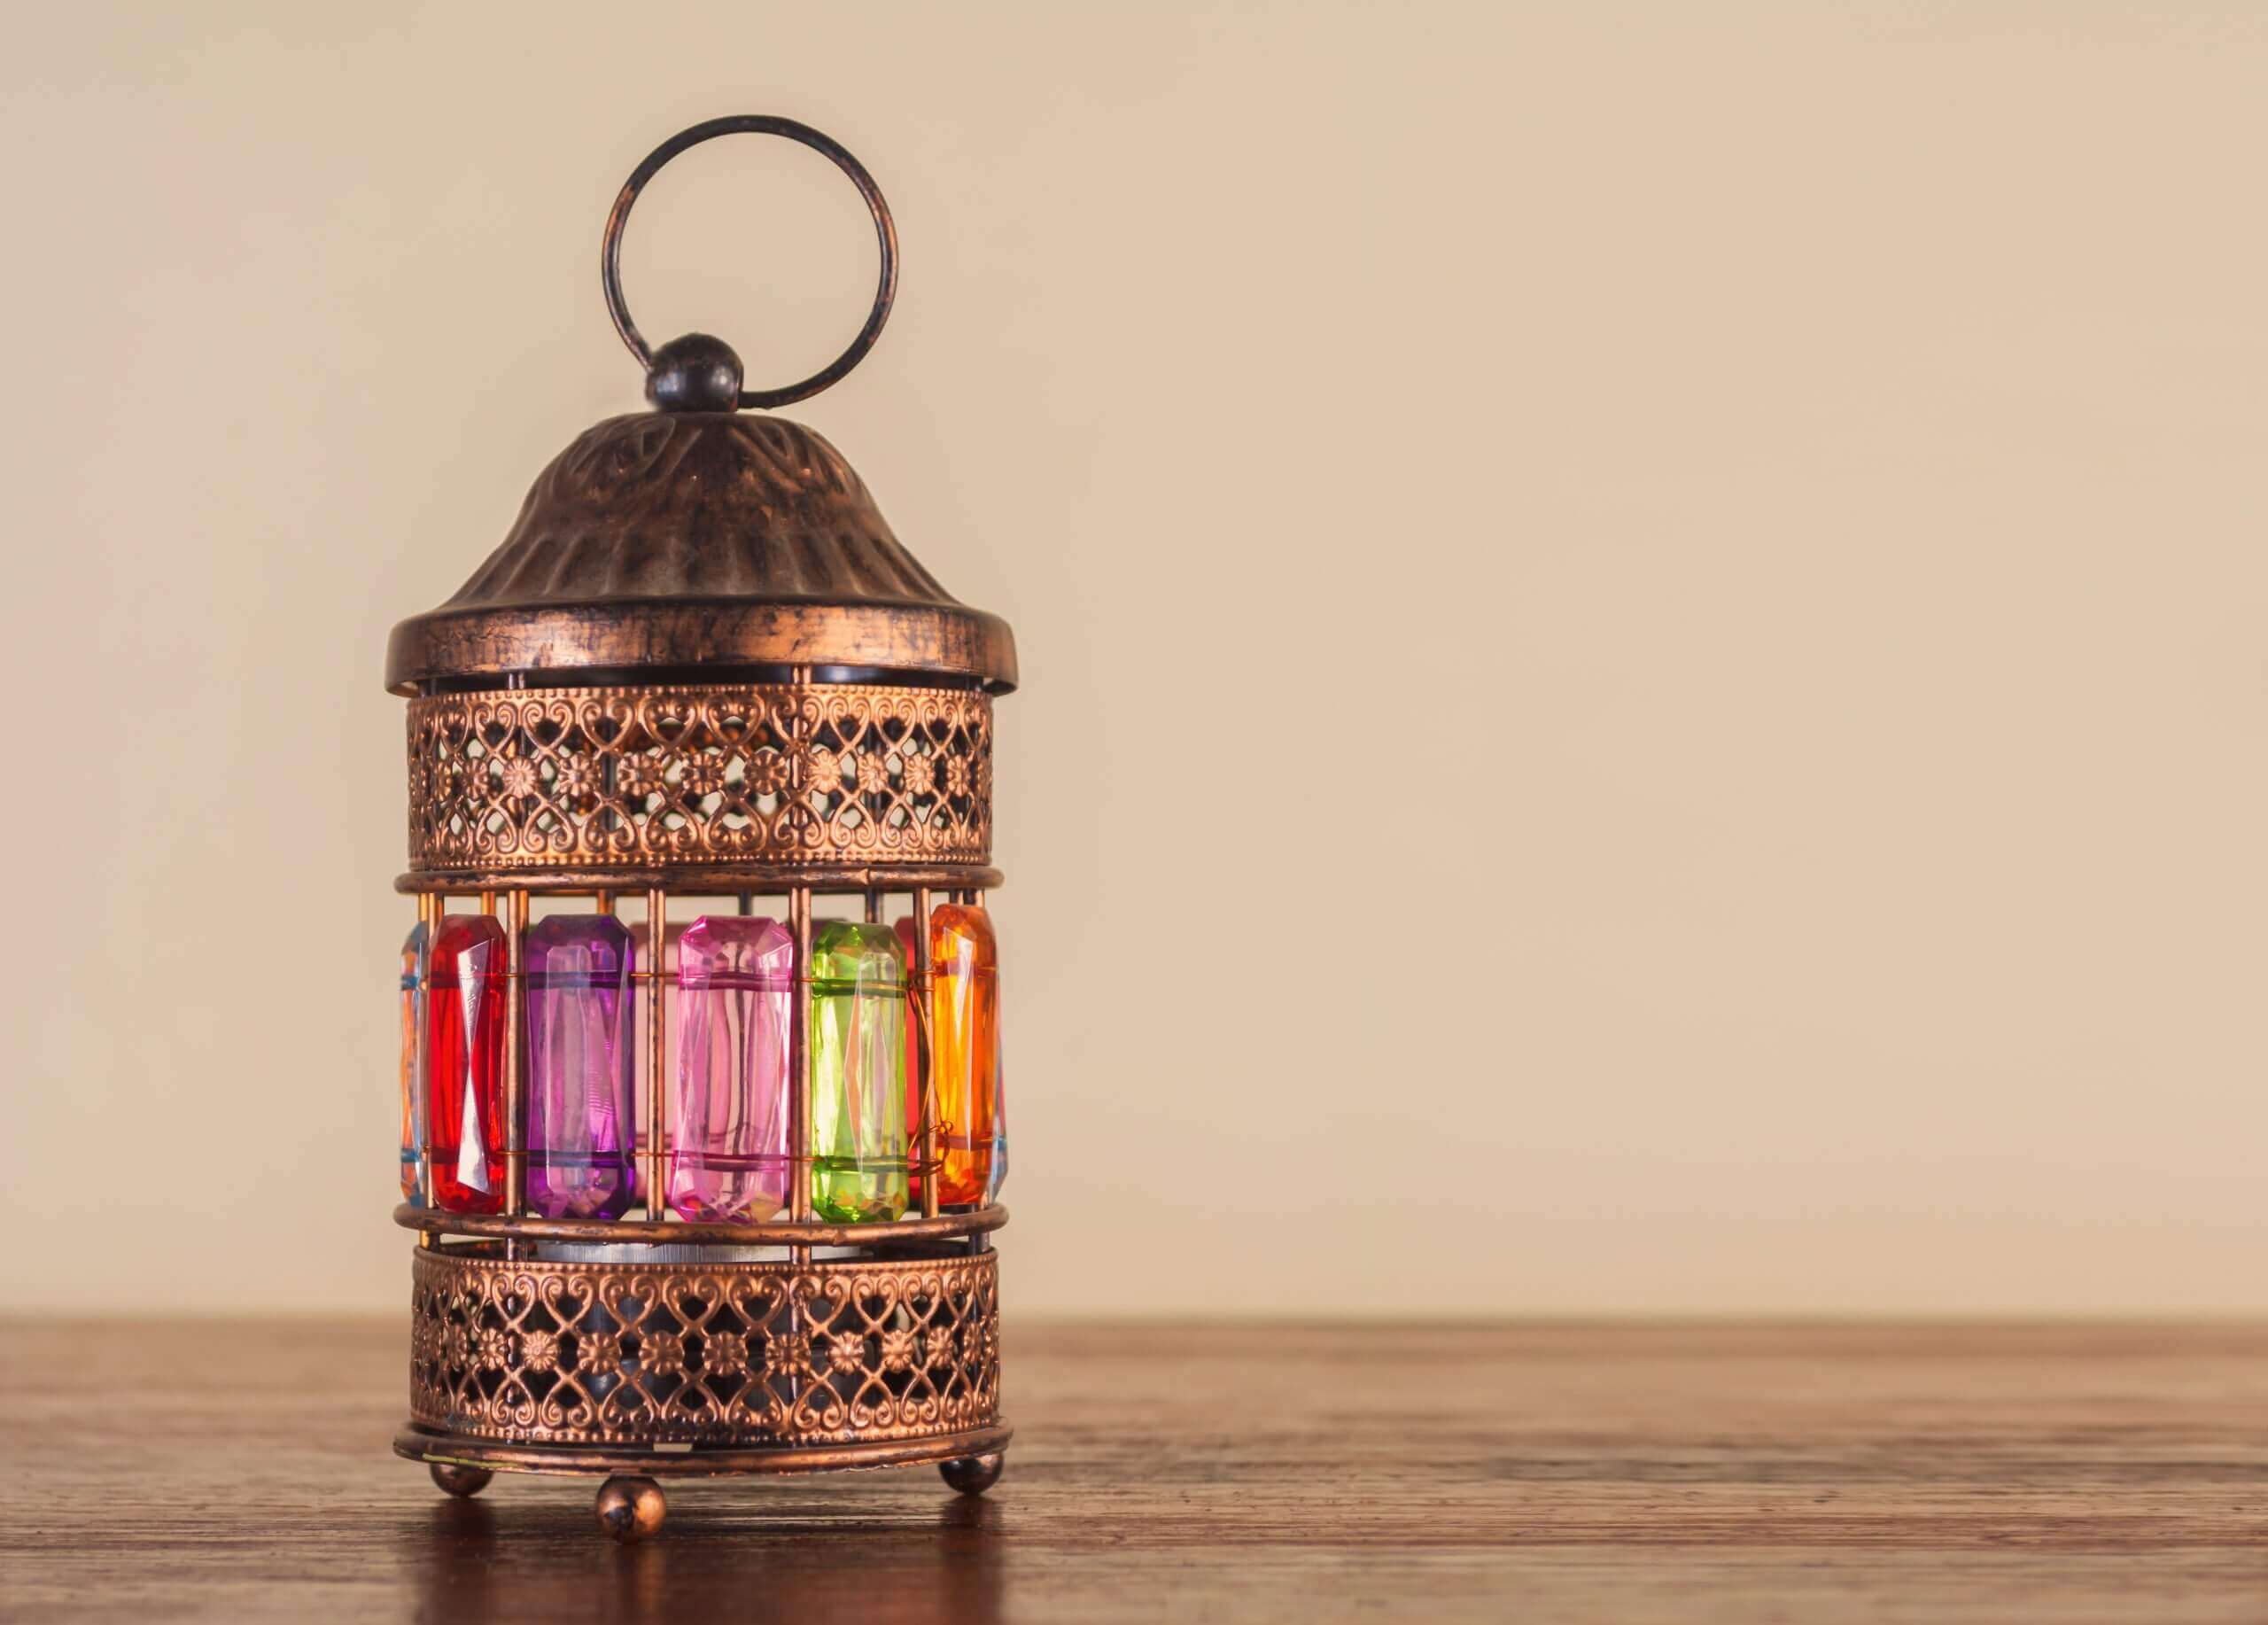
755,124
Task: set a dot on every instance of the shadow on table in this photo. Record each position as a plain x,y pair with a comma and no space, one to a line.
478,1561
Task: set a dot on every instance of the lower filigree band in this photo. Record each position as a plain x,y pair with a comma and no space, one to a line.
720,1354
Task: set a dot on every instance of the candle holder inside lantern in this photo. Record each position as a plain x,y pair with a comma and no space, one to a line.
703,1136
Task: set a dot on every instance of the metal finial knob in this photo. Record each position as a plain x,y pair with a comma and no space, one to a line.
694,374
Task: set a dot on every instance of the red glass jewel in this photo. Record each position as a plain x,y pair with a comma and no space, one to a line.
465,1063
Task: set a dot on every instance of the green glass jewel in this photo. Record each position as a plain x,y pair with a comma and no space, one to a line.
858,1073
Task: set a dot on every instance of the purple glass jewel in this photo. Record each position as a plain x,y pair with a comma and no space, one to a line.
580,1010
736,1007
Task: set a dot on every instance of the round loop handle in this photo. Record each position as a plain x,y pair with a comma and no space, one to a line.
755,124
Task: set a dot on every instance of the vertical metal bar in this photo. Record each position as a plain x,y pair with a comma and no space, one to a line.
515,1058
516,929
873,906
799,1058
932,1149
488,904
657,1047
980,1243
799,1070
800,1169
744,903
603,902
799,1134
428,915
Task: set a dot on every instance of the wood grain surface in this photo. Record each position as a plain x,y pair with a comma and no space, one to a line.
239,1471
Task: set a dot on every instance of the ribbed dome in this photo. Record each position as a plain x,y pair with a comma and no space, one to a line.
698,540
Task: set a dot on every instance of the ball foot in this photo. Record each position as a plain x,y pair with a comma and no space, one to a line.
972,1475
461,1482
630,1508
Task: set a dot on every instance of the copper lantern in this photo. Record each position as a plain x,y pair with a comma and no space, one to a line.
702,1135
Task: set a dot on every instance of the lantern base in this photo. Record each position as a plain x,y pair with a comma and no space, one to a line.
694,1360
972,1475
488,1456
461,1482
631,1506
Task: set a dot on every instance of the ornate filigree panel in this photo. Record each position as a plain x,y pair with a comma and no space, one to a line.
742,1354
582,777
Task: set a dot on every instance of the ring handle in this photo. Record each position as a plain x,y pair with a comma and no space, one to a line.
755,124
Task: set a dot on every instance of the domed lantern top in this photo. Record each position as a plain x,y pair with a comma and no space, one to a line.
698,543
692,543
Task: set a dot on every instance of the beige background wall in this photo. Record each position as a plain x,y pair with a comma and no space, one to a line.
1645,627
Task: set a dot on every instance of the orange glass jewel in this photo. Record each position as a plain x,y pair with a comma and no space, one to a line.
965,1041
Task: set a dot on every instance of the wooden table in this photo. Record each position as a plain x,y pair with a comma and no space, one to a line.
239,1472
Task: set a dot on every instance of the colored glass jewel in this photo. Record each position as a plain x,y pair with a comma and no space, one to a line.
465,1063
580,1121
964,1048
858,1073
413,1029
728,1154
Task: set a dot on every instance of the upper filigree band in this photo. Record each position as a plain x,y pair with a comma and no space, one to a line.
543,779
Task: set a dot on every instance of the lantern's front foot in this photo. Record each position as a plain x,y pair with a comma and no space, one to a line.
462,1482
630,1508
972,1475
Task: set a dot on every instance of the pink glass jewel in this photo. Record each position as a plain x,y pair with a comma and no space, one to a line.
728,1154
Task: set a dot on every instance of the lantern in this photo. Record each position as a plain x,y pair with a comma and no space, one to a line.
703,1136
